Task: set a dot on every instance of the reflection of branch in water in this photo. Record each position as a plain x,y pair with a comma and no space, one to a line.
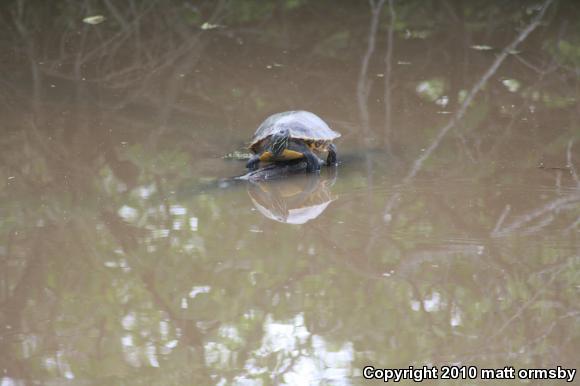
573,226
495,346
416,257
548,210
120,56
129,54
541,338
125,235
417,166
388,70
529,303
570,163
501,219
278,374
24,34
363,85
541,71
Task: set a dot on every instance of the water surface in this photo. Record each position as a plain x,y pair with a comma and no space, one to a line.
447,235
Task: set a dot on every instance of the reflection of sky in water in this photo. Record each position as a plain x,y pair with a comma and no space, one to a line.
204,289
178,214
59,364
433,303
430,303
302,358
147,355
177,210
128,213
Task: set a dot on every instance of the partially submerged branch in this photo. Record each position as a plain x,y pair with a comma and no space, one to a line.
274,171
477,87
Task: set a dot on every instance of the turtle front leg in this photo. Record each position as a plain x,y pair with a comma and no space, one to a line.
331,159
312,161
252,164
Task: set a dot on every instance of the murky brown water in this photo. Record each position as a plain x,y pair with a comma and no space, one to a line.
448,235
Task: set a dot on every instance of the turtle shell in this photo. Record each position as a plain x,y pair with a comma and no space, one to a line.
301,124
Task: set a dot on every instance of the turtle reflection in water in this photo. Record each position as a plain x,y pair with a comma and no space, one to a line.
294,200
293,135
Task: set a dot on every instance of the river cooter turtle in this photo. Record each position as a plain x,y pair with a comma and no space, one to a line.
293,135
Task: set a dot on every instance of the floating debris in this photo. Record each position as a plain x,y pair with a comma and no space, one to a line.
207,26
417,34
238,155
270,66
481,47
93,20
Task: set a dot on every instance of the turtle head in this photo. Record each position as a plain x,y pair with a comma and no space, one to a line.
280,141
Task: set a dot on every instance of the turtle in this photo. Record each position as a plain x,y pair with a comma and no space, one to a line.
293,135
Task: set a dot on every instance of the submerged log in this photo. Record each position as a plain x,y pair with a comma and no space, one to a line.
274,171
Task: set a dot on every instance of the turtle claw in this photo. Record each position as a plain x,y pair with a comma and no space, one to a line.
252,164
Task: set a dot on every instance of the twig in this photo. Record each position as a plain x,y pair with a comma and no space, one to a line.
501,219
